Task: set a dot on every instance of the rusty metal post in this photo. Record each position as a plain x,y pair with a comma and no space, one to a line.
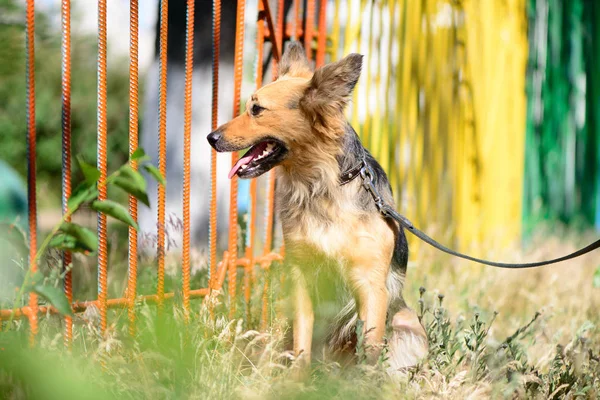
187,141
233,214
31,162
212,271
309,27
66,149
322,35
102,130
162,150
297,21
269,210
249,268
133,145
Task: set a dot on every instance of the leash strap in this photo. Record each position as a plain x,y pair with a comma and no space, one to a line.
389,212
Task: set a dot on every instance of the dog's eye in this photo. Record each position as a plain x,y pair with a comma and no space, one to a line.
256,109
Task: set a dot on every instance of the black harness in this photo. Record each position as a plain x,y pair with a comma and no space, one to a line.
388,211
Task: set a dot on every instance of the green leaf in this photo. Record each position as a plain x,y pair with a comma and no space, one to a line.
84,237
90,172
54,296
65,242
596,280
82,194
132,189
126,172
36,279
15,236
152,170
133,183
130,173
62,241
139,154
115,210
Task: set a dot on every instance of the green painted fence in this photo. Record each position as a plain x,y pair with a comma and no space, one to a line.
562,164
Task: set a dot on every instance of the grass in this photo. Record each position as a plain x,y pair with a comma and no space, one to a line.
492,334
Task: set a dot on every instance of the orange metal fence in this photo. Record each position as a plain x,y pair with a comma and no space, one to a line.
270,28
416,108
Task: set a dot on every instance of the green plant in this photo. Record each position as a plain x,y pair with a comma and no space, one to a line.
67,236
219,358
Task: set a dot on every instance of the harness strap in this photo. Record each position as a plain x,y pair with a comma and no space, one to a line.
388,211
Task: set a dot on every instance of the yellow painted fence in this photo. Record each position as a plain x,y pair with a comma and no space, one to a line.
441,104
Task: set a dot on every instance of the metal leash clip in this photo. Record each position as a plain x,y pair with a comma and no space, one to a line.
368,183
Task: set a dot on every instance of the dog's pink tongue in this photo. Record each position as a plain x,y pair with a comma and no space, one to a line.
244,160
251,154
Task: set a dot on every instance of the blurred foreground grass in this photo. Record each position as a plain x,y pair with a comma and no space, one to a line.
493,334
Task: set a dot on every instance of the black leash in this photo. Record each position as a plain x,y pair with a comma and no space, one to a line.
388,211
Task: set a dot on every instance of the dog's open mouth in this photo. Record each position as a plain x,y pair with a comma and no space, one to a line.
259,159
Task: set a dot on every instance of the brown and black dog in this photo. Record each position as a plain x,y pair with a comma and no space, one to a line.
347,263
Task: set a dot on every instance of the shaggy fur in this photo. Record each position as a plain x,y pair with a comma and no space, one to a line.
345,261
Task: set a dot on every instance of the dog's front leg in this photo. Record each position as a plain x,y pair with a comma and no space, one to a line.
372,299
303,320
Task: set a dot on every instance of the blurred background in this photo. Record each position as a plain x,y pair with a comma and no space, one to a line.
482,113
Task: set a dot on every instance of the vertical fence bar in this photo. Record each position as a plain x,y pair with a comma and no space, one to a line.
352,38
279,36
260,41
267,247
264,320
269,212
322,35
297,20
133,144
335,31
66,150
280,18
377,137
309,27
366,128
162,150
349,29
269,209
31,162
187,133
102,129
386,157
213,153
405,55
233,214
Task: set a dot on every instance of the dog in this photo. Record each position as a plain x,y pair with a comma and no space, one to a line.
346,262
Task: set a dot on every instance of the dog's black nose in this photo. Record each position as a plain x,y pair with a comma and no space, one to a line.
213,138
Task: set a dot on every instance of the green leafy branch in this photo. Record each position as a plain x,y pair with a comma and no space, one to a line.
71,237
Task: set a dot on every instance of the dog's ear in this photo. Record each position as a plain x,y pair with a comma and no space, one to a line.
294,62
329,91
